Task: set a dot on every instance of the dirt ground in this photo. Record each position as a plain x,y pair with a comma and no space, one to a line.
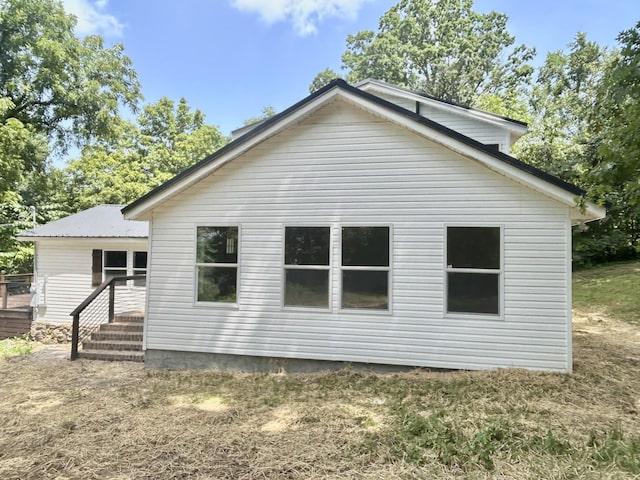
98,420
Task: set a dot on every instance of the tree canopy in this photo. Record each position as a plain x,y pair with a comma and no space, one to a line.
267,112
62,86
59,91
443,48
166,139
56,90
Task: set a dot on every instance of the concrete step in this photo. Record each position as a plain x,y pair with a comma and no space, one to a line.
112,345
117,335
131,318
111,355
122,327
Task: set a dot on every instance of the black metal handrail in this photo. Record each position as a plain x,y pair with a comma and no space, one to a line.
110,284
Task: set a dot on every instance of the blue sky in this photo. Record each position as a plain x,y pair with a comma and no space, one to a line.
231,58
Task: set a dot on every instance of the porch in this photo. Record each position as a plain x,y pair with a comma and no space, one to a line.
15,310
109,323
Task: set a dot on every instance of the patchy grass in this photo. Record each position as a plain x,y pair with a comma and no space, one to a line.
612,289
84,419
14,347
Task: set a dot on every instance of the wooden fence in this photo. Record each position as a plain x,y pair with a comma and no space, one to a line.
15,312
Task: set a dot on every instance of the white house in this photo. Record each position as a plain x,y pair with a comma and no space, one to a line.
77,253
363,224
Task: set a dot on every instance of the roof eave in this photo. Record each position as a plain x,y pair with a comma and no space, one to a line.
138,209
515,127
497,161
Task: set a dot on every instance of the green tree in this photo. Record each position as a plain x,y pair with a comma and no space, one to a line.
64,87
323,78
561,139
443,48
617,121
561,103
166,139
613,170
267,112
56,90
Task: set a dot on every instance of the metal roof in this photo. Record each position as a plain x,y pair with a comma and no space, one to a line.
102,221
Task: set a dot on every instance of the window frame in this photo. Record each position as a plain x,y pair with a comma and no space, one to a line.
196,264
389,269
139,271
285,267
106,268
499,272
130,269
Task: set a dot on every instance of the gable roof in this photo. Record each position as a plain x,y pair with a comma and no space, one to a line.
516,127
102,221
495,160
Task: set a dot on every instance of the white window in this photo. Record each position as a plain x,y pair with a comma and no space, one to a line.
115,264
217,264
121,263
473,270
140,268
306,266
365,267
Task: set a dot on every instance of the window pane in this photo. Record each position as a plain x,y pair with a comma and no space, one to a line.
139,259
217,284
307,288
142,282
365,246
473,293
365,289
306,246
115,259
473,247
217,245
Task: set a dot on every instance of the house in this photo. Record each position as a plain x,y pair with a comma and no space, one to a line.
364,224
77,253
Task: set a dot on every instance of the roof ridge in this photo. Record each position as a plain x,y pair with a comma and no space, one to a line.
341,83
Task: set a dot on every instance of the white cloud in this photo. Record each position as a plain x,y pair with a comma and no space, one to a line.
303,14
92,18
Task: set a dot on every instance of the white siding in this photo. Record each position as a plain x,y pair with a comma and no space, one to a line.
344,166
476,129
64,274
479,130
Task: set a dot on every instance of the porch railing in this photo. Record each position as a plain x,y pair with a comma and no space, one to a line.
15,290
102,305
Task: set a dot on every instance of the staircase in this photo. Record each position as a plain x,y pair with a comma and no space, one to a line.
119,340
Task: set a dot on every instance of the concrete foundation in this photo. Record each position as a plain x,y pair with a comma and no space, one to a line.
173,360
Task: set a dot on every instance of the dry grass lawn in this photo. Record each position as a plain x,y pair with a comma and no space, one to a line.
89,419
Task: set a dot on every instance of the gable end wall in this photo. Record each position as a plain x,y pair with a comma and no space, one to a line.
476,129
343,166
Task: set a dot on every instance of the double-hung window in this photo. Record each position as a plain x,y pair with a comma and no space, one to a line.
306,266
140,268
115,264
473,270
217,264
365,267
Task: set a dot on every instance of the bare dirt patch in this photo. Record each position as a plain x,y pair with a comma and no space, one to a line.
89,419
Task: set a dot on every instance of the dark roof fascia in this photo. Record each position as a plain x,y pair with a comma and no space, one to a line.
456,104
470,142
339,83
235,143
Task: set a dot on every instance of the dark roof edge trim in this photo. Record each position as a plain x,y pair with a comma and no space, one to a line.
471,142
454,104
339,83
235,143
